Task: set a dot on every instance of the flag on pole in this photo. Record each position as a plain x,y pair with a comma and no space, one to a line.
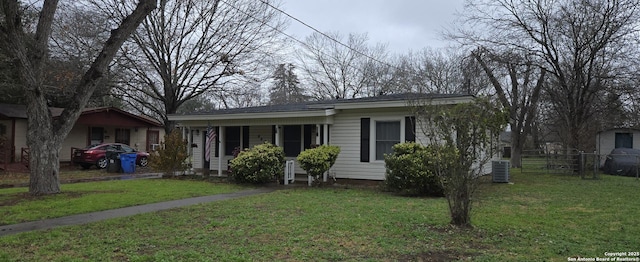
211,138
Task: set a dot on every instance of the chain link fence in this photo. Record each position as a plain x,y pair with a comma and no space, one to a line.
568,162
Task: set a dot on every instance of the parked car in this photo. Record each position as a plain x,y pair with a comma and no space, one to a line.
96,155
622,162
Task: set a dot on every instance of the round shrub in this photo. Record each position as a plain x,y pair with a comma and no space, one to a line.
318,160
411,170
258,165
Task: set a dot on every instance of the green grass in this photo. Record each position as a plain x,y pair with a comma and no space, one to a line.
537,218
16,205
67,174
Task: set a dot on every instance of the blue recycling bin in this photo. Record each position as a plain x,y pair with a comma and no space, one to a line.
128,162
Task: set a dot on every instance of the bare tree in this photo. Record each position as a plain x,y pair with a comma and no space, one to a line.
586,47
28,45
518,83
440,71
335,70
77,34
186,49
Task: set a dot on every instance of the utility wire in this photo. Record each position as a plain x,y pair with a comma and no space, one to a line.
267,24
307,25
325,35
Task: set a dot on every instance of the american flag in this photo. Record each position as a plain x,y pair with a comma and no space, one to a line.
211,138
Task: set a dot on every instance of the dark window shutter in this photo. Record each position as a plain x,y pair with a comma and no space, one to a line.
307,136
410,129
365,133
245,137
217,153
321,134
273,135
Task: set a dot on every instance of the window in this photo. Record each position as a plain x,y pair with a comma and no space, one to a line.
624,140
96,136
123,136
387,135
232,136
292,140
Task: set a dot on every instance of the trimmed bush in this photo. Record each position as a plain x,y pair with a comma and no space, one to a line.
318,160
171,156
258,165
411,170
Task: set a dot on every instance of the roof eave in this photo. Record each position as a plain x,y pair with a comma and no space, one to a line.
264,115
405,103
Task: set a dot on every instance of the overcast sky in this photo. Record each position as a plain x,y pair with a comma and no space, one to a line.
401,24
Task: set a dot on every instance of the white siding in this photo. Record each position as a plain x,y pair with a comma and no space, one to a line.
21,137
345,133
196,158
259,134
77,138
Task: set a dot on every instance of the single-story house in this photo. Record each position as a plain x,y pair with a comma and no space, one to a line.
94,126
364,128
607,140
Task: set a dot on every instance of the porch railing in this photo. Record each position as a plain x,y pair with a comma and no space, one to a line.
24,156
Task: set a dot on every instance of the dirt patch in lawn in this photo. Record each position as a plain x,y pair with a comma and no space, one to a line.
14,199
440,255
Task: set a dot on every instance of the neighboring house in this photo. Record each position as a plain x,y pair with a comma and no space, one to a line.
94,126
364,128
609,139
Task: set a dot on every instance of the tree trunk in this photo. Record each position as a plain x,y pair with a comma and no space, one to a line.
44,165
516,149
460,207
30,52
44,146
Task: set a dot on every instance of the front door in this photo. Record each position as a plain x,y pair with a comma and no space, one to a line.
153,140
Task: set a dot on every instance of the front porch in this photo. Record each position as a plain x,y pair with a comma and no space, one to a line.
293,138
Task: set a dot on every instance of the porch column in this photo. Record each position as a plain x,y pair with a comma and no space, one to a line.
220,149
318,134
325,142
277,135
189,142
326,134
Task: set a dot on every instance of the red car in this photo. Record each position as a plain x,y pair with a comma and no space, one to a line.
96,155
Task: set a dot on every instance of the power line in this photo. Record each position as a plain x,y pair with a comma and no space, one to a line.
267,24
325,35
307,25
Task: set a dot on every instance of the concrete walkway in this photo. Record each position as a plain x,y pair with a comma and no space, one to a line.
123,212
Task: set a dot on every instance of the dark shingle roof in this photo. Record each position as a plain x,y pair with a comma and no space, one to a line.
20,111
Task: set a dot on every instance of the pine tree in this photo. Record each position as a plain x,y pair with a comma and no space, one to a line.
285,88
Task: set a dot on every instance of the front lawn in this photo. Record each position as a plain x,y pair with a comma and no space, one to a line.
16,205
538,218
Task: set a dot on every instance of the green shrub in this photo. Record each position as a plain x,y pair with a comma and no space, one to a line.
318,160
258,165
411,170
170,156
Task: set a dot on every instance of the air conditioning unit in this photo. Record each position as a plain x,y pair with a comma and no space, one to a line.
155,147
500,171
